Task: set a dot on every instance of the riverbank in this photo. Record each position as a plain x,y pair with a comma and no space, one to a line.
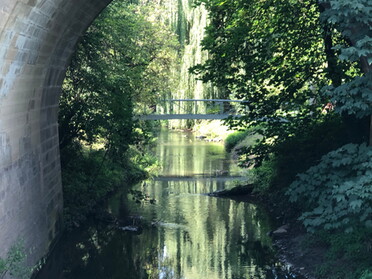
292,253
90,179
321,255
288,238
185,234
335,246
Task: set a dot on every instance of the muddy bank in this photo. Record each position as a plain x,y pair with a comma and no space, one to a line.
293,252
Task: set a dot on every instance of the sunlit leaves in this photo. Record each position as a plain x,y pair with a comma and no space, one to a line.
270,53
124,58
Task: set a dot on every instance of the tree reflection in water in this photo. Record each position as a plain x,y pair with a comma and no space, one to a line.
186,235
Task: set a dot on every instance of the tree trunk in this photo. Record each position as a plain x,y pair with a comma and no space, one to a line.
333,71
370,131
366,68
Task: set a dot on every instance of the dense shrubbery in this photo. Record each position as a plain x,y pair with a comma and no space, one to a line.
122,62
89,178
337,193
264,176
288,59
348,251
234,138
367,274
302,150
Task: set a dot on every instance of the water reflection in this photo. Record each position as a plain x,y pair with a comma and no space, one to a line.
186,235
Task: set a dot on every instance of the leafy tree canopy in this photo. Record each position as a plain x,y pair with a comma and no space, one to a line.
124,59
336,193
288,59
276,55
354,20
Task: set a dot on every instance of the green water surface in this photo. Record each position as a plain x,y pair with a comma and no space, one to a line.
185,234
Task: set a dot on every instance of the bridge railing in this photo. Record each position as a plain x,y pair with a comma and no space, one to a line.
194,109
213,106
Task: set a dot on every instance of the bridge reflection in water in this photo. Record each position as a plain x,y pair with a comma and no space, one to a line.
186,234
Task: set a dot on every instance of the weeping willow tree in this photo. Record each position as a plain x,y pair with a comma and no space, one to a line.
188,22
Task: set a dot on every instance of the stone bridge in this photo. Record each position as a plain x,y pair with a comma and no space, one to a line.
37,38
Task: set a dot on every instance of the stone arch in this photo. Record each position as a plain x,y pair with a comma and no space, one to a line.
37,38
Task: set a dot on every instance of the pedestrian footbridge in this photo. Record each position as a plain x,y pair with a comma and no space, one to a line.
212,109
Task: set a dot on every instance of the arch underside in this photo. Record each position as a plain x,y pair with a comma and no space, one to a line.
37,39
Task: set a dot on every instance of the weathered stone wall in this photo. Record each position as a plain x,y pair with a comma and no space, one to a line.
37,38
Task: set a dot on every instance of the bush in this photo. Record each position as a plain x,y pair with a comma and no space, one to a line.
366,275
337,193
264,176
88,179
234,138
304,148
342,248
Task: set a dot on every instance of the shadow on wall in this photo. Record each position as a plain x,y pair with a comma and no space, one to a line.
37,38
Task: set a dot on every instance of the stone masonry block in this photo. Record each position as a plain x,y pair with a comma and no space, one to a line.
37,39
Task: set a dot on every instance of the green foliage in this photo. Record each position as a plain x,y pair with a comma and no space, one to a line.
278,55
353,19
337,192
264,177
14,263
125,57
123,61
351,246
271,54
88,179
234,138
349,251
139,197
297,153
144,160
366,275
353,98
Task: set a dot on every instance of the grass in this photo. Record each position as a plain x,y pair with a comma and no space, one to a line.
212,129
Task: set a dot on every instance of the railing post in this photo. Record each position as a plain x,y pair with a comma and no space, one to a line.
221,108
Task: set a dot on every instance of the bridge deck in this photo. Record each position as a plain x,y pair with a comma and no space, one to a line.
219,178
184,116
216,103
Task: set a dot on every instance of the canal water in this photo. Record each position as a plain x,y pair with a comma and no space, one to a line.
184,234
